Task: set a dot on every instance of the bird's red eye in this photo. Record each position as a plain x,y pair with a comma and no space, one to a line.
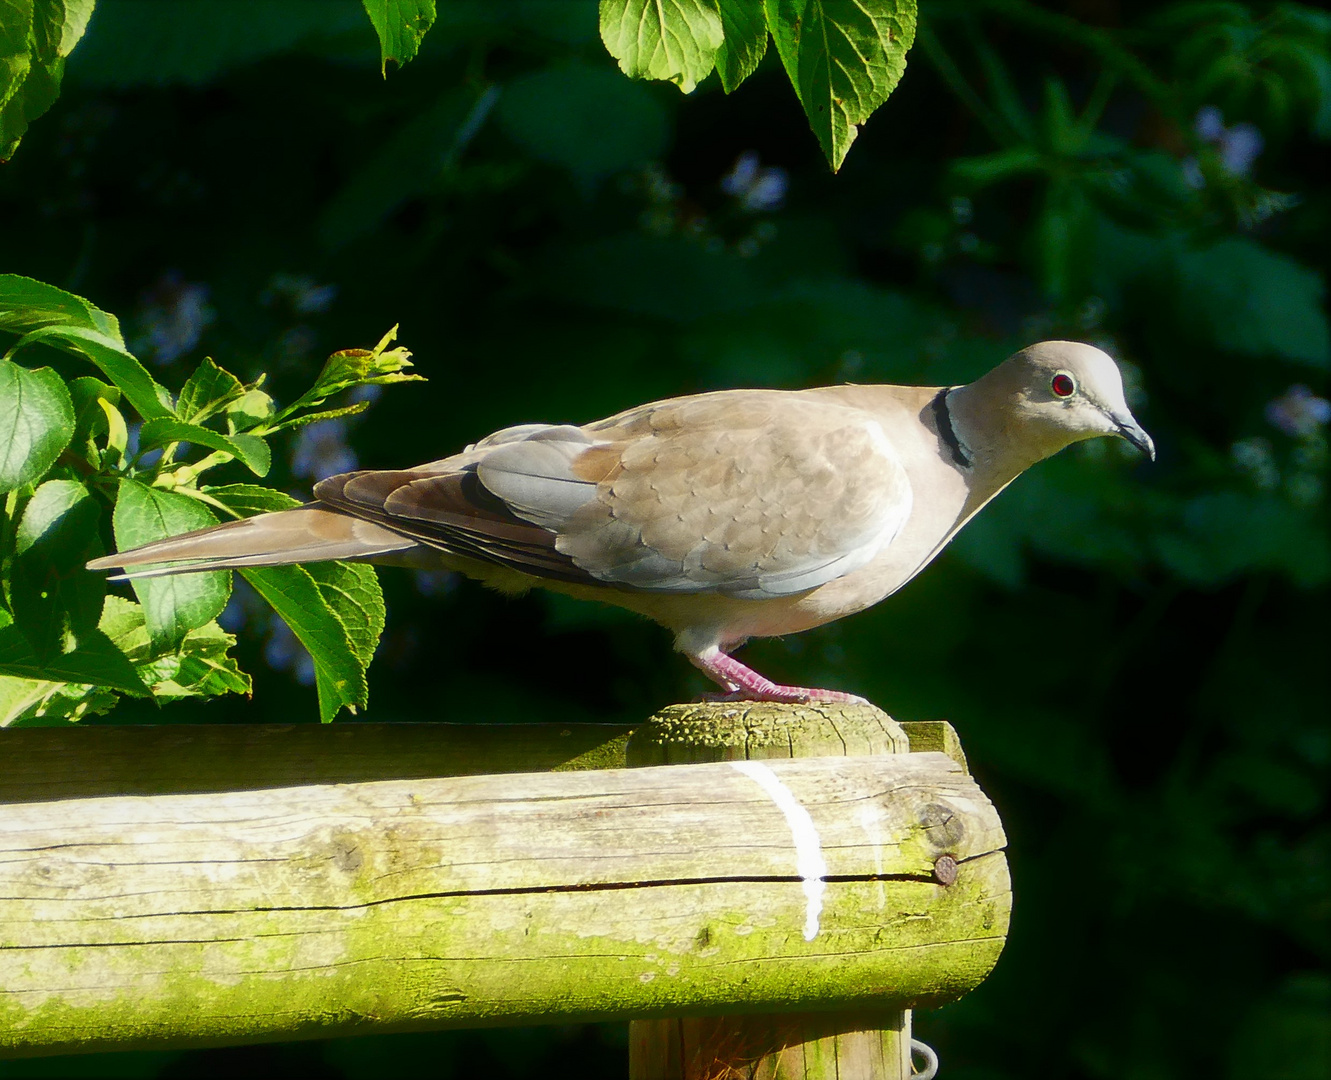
1063,385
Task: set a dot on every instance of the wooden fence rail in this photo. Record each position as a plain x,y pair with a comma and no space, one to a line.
351,905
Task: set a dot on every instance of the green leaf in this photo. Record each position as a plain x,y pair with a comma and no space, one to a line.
92,397
250,450
208,390
745,27
36,423
843,57
355,367
35,38
95,662
325,414
26,305
251,409
246,500
400,24
199,668
56,600
180,603
673,40
142,391
588,120
352,591
297,598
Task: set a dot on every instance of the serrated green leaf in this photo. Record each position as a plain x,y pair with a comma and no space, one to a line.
251,409
352,591
90,417
56,600
35,38
177,604
355,367
401,25
295,595
26,699
199,668
96,661
27,304
745,27
207,391
36,422
143,392
246,500
672,40
250,450
843,57
325,414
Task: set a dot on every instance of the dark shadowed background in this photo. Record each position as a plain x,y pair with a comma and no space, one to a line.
1135,655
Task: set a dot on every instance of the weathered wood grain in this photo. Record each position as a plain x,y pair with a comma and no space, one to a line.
314,911
780,1046
83,761
80,761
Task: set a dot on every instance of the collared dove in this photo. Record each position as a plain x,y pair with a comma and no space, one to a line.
723,516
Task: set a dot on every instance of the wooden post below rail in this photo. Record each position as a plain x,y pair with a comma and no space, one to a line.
863,1043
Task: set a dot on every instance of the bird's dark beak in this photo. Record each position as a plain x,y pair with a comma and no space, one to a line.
1135,434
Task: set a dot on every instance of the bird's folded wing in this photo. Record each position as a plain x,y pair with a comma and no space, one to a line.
753,494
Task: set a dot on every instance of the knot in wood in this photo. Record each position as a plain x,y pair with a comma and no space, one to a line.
944,827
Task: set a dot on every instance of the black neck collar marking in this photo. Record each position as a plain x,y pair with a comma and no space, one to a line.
946,432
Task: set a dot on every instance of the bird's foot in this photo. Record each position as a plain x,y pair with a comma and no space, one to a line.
742,683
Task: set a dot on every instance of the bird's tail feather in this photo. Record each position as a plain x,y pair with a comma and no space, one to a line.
304,534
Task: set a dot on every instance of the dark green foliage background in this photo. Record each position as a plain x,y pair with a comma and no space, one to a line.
1135,656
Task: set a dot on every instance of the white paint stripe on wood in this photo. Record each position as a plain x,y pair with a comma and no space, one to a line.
809,863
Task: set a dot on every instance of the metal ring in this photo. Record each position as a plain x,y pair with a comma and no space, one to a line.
930,1069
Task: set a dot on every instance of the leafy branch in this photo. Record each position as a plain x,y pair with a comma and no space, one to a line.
69,469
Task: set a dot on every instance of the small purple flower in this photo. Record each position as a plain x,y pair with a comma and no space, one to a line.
302,292
758,190
1238,146
1298,411
175,314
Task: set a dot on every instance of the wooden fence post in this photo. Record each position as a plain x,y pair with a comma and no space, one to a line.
863,1045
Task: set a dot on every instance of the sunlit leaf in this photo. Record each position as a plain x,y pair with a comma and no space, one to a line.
96,661
401,26
250,450
36,422
56,601
745,27
250,499
26,305
352,591
295,595
356,367
179,603
35,38
208,390
141,389
673,40
844,57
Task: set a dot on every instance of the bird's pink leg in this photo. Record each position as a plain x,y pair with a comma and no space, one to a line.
744,684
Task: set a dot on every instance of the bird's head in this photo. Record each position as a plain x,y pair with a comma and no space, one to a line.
1060,392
